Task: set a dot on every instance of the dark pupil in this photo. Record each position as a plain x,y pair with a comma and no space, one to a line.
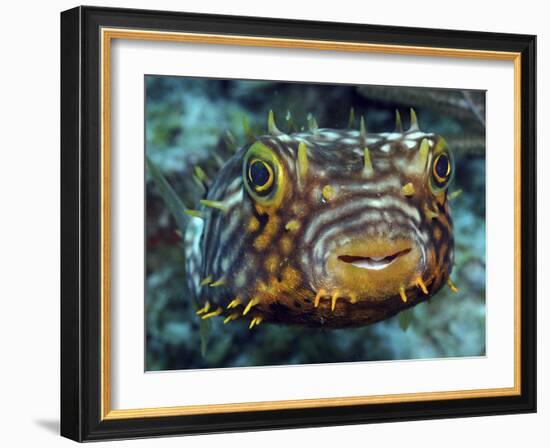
259,174
442,166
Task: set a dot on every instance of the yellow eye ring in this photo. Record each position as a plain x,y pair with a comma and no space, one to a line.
260,175
264,175
441,168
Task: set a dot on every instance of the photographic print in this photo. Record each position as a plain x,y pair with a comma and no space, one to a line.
302,223
249,201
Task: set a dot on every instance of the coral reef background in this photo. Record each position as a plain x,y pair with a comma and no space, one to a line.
187,120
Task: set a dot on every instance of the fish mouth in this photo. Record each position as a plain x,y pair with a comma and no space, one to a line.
374,263
373,268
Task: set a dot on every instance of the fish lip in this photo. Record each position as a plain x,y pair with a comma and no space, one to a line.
374,263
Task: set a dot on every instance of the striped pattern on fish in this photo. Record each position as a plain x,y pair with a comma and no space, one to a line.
329,227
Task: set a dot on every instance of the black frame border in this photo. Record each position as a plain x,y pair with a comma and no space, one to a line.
81,223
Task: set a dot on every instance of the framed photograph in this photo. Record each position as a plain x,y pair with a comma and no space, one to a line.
275,224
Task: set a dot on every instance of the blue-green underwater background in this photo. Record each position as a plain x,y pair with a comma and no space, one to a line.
186,122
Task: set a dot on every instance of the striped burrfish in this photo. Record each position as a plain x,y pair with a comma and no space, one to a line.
323,227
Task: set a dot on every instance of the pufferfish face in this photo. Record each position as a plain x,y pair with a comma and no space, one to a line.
338,228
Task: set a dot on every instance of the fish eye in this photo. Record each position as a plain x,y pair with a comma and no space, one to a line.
260,176
441,170
263,175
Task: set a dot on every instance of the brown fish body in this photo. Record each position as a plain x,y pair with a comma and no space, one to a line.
332,228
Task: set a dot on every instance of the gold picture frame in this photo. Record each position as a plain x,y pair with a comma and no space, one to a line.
106,26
